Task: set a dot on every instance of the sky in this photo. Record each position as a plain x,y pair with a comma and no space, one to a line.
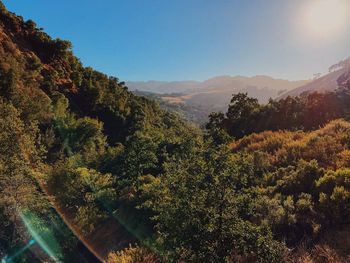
197,39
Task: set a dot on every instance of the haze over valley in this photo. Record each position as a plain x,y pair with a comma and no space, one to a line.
195,100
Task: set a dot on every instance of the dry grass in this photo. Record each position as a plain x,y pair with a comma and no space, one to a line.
328,145
318,254
133,255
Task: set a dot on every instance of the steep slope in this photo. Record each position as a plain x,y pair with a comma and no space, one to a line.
307,171
337,75
322,84
344,79
80,141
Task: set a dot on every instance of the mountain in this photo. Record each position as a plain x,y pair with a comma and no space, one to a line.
163,86
196,100
218,91
329,82
91,172
218,85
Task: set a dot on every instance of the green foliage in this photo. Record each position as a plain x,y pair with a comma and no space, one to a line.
7,84
240,113
302,192
133,255
30,25
17,187
197,210
102,153
334,195
307,112
87,189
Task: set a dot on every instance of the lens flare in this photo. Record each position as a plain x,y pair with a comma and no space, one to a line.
42,235
325,18
8,259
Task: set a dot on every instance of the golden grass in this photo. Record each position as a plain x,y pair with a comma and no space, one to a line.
327,145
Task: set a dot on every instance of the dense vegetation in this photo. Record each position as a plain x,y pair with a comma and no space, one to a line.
72,135
77,145
306,112
194,113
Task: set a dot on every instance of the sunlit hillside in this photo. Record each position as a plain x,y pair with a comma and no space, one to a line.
93,172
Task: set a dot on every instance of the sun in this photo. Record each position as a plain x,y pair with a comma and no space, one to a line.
325,18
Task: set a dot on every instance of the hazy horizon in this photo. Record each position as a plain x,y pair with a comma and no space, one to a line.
216,76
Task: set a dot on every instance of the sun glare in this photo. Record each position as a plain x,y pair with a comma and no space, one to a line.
325,18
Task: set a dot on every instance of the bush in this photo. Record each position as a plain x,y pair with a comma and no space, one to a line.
133,255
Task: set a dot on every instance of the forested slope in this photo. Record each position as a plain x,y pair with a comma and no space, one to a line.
306,112
75,143
73,133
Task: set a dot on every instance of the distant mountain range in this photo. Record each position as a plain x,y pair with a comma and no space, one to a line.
195,100
216,90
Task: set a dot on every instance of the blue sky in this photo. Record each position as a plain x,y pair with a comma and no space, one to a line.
187,39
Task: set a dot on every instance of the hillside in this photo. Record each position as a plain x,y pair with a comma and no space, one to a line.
308,111
195,114
322,84
326,83
219,84
65,129
306,179
323,151
91,172
196,100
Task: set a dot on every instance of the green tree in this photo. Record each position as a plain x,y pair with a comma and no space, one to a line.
241,111
196,208
18,159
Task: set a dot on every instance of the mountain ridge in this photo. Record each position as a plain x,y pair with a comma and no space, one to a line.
217,82
328,82
196,100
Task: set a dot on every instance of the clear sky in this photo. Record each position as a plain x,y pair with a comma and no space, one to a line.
195,39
